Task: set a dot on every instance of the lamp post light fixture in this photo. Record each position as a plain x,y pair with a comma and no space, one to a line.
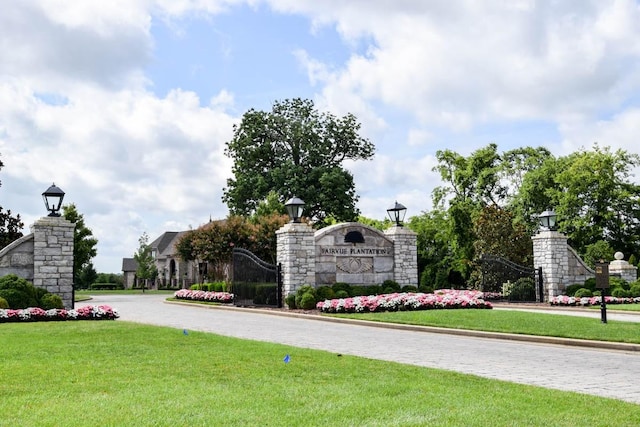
396,213
548,220
294,208
53,199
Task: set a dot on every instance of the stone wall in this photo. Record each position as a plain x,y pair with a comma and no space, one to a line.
562,266
17,258
44,257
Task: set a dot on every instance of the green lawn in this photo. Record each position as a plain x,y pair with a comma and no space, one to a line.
618,307
115,373
513,322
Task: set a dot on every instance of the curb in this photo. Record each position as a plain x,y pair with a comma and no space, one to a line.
604,345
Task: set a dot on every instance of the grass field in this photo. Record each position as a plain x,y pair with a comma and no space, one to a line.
114,373
513,322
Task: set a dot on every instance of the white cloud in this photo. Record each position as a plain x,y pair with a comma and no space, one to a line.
462,63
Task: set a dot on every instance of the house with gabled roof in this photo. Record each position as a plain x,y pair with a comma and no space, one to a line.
173,272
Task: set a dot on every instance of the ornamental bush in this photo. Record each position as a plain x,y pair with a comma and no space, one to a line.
290,300
620,293
325,292
341,286
306,289
572,289
308,301
3,303
50,301
342,294
583,292
18,292
523,289
635,290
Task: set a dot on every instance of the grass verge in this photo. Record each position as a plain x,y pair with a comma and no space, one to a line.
512,322
124,374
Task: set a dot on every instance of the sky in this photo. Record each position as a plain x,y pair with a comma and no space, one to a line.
127,105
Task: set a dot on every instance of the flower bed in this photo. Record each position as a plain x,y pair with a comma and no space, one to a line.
36,314
440,299
222,297
564,300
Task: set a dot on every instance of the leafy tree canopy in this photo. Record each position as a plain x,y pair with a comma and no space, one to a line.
294,150
144,257
10,226
84,244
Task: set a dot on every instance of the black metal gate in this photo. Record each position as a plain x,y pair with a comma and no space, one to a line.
504,276
255,282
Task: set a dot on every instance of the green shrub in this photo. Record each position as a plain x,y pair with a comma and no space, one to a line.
50,301
365,290
523,289
18,292
194,287
390,285
290,300
635,290
305,289
572,289
583,292
341,286
342,294
617,282
3,303
325,292
427,289
590,283
409,288
266,293
308,301
619,292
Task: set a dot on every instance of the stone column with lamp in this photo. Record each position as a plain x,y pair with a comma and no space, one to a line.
550,254
296,250
405,256
53,249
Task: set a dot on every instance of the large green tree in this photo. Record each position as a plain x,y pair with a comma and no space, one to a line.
146,269
84,244
593,195
10,226
294,150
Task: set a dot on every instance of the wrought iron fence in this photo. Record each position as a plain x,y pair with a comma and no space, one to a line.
516,283
254,281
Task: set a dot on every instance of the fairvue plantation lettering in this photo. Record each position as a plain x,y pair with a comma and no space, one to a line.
346,251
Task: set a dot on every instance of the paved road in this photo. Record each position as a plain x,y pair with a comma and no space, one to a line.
585,370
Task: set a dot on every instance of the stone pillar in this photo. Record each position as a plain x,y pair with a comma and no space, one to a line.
622,268
405,255
550,252
296,253
53,257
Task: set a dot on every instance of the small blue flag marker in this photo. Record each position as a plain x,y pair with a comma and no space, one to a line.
184,331
287,358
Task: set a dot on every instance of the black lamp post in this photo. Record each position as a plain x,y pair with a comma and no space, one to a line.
548,220
53,199
396,213
294,208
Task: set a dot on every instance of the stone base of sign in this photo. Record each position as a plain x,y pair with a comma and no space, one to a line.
350,252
